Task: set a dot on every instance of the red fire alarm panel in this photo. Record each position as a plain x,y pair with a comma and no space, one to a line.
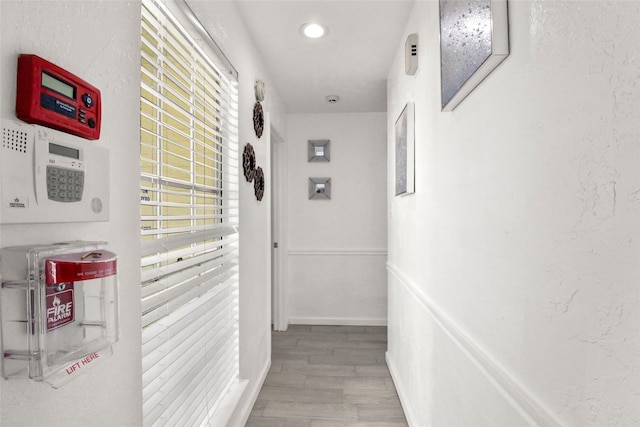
51,96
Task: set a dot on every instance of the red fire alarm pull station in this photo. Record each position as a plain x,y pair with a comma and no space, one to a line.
61,274
59,310
51,96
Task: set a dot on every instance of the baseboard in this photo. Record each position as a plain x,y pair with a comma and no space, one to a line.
227,408
243,411
411,418
337,321
512,391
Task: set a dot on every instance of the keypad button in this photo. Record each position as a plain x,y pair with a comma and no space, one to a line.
64,185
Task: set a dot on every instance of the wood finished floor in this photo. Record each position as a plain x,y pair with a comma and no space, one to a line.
328,376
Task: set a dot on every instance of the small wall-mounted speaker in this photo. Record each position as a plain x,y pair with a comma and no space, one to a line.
411,54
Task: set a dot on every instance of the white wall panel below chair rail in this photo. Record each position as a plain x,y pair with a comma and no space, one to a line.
337,286
428,351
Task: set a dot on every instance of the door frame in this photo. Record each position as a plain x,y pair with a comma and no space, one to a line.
280,316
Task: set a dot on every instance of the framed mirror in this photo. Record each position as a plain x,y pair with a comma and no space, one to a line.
319,188
319,150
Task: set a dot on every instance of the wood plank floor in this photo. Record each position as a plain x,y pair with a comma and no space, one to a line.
328,376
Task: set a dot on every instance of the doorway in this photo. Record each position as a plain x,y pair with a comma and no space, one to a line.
279,318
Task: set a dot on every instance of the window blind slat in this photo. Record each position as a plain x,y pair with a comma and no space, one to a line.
159,16
175,230
172,285
160,312
157,45
214,357
173,80
159,333
180,335
186,376
194,287
201,206
222,385
184,259
180,251
201,128
169,84
169,187
181,342
205,198
152,247
186,217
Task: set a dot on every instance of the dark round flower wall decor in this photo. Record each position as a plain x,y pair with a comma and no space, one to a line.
249,162
258,183
258,119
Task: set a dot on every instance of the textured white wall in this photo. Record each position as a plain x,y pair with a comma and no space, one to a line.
518,254
337,248
99,41
107,54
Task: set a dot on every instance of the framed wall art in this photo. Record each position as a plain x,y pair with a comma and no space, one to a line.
318,150
405,151
474,40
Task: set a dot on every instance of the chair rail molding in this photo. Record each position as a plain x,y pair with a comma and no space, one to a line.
338,251
513,392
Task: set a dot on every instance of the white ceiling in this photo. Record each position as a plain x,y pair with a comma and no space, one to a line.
352,62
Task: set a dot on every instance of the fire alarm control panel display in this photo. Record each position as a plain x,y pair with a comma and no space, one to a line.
49,95
59,306
48,176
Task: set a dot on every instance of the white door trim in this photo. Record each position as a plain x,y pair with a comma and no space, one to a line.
279,230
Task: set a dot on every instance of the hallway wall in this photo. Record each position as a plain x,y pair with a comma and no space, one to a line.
110,394
336,250
513,270
108,56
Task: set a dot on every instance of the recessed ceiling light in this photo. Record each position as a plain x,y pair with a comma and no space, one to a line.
313,31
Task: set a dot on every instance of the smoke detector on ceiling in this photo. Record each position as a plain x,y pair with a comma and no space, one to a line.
332,99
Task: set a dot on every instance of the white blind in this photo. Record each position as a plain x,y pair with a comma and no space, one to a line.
189,225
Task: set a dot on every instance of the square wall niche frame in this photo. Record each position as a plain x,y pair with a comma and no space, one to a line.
319,150
405,151
319,188
474,40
